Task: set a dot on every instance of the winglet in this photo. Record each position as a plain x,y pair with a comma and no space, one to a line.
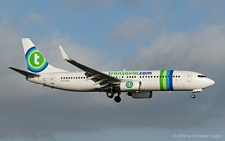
64,55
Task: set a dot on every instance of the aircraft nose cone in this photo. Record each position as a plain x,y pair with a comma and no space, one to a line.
211,82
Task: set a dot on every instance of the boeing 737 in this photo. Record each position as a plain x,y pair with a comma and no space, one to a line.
137,84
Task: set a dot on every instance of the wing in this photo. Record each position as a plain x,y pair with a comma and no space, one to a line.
98,77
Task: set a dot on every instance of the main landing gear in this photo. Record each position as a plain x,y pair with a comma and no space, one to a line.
117,98
111,95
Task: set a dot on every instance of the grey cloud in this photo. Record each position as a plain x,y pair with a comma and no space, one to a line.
214,9
133,28
9,42
35,17
180,50
31,111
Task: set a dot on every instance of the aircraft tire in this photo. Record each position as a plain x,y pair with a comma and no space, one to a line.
110,95
193,96
117,99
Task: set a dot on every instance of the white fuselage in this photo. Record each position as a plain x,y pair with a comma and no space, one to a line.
137,84
150,80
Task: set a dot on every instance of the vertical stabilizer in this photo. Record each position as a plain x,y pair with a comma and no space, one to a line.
35,61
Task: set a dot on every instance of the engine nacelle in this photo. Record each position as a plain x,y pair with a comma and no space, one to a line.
130,86
139,95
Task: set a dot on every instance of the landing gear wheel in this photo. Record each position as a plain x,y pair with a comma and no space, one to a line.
193,96
117,99
110,95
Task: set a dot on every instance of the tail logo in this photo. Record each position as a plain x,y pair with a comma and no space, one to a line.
35,60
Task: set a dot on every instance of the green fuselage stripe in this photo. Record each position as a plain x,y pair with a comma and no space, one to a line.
161,79
166,80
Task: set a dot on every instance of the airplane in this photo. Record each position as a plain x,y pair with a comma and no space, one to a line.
137,84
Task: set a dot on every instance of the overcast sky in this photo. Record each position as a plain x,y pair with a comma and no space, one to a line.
112,35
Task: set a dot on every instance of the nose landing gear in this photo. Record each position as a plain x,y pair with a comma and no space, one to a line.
193,96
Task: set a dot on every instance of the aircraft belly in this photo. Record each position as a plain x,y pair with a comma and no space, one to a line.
150,85
84,86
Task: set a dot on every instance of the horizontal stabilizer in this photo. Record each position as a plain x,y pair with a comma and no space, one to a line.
25,73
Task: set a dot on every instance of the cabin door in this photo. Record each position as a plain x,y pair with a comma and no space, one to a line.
189,77
52,79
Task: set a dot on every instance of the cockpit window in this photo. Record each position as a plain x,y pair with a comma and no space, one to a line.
201,76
